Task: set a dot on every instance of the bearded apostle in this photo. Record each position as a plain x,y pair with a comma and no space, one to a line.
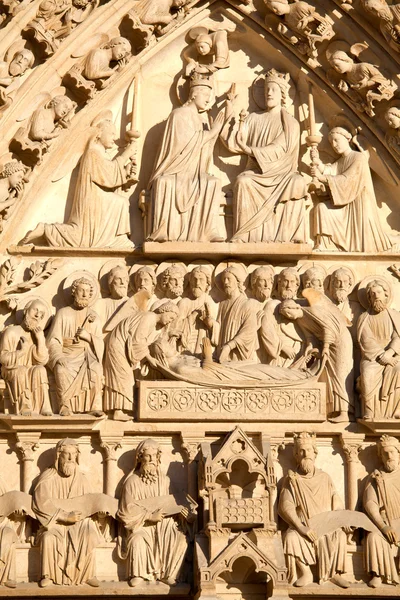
349,219
67,540
382,504
108,309
185,198
379,338
269,196
234,332
127,347
305,493
23,355
156,544
76,347
324,324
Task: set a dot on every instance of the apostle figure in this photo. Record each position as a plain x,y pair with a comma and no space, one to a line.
235,330
76,346
288,283
269,196
185,198
155,544
314,278
348,219
382,504
108,308
323,322
379,339
171,284
99,216
126,348
305,493
340,286
193,309
145,279
67,540
23,355
262,283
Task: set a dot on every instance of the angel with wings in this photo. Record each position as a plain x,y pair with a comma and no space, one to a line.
363,82
348,218
102,62
209,51
301,25
52,115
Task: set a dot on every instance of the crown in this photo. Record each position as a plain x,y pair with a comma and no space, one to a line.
199,79
282,79
304,438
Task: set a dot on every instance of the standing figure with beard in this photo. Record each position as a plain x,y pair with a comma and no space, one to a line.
109,308
379,339
340,287
314,278
155,544
382,504
305,493
67,540
171,284
126,349
281,340
76,347
261,284
194,309
234,332
144,279
23,355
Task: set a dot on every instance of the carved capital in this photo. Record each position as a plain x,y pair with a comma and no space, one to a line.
276,444
351,446
26,445
109,446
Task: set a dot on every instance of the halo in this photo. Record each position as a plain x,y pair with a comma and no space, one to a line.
168,263
338,45
342,120
67,283
334,268
256,265
106,268
362,292
141,263
223,265
258,93
22,302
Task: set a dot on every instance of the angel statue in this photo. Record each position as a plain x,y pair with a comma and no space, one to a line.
99,216
363,82
54,21
53,115
101,63
209,51
388,16
348,218
301,25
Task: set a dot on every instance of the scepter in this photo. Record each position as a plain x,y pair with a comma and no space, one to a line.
313,140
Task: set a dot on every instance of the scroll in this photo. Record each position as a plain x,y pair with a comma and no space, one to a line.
16,500
328,522
89,504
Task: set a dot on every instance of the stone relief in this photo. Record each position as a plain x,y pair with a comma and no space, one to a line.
157,526
55,20
210,308
301,25
270,188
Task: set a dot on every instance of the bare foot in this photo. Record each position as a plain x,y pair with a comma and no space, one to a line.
340,581
375,581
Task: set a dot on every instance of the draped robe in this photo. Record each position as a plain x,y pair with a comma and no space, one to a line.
351,218
237,323
318,496
126,346
325,322
275,333
79,384
185,198
269,194
379,553
67,551
99,217
8,540
153,551
379,384
23,370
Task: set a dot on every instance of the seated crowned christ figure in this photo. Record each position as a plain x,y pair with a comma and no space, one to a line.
185,198
269,196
